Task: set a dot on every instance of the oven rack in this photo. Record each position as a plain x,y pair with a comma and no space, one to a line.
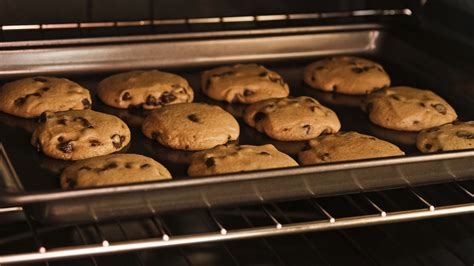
266,220
152,25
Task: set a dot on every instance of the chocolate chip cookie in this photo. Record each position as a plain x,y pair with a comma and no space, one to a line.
292,119
346,146
112,170
247,83
30,97
76,135
448,137
347,75
191,126
408,109
235,158
150,89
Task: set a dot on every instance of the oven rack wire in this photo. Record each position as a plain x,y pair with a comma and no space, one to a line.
209,20
278,221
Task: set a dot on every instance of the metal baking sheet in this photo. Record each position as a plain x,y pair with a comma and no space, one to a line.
286,51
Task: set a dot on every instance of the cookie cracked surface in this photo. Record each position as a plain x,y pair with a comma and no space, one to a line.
112,169
238,158
76,135
150,89
30,97
244,83
448,137
347,75
292,119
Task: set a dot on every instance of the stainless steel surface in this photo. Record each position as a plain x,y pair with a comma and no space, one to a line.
278,223
286,52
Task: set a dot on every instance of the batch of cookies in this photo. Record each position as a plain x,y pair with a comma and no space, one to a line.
69,130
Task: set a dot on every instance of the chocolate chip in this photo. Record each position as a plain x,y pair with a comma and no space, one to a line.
307,128
155,134
259,117
210,162
263,74
38,145
334,88
143,166
45,89
416,122
194,118
61,139
128,165
94,142
357,70
167,97
87,168
85,123
117,141
465,134
324,156
126,96
65,147
71,183
186,147
366,68
108,166
86,103
428,146
61,121
248,92
40,79
20,101
286,129
264,153
422,104
319,68
313,108
439,108
150,100
43,118
313,78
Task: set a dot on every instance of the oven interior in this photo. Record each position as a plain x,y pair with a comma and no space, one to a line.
386,227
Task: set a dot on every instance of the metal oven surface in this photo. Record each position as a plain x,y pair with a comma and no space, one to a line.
287,52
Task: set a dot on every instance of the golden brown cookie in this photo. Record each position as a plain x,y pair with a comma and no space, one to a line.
76,135
191,126
235,158
448,137
113,169
346,146
147,89
30,97
291,119
347,75
408,109
247,83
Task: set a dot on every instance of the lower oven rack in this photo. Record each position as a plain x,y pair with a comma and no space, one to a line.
376,208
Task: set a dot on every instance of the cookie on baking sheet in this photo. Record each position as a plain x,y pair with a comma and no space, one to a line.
30,97
147,89
113,169
448,137
234,158
346,146
292,119
191,126
347,75
76,135
408,109
247,83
